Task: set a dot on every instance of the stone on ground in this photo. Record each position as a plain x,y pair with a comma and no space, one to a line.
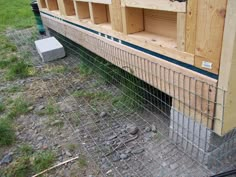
50,49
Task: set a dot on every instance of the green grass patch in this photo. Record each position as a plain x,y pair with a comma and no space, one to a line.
18,107
7,132
26,150
2,107
92,96
43,160
82,161
19,70
50,109
8,17
4,63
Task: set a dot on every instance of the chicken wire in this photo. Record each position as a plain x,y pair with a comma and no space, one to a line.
174,150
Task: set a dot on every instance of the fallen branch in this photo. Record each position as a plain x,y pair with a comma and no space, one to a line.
58,165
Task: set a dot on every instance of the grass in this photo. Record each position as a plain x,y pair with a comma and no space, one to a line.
19,69
49,110
18,107
26,150
92,96
82,162
28,163
7,133
8,17
2,107
43,160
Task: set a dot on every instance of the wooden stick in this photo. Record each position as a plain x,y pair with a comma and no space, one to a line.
58,165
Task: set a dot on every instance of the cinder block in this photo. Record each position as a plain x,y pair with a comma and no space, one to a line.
50,49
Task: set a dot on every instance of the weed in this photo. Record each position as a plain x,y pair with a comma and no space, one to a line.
2,107
7,133
18,107
20,168
26,150
14,89
82,162
43,160
19,69
85,70
71,147
7,62
93,96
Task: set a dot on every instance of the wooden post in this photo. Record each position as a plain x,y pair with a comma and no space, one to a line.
225,114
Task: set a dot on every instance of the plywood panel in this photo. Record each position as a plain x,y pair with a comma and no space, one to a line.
69,8
98,13
210,27
82,10
165,5
52,4
116,16
161,22
42,4
133,20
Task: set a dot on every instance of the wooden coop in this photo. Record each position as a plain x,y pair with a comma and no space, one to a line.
186,49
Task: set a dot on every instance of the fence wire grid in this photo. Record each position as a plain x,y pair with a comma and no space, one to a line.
166,142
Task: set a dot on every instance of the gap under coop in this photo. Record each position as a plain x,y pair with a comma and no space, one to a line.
162,56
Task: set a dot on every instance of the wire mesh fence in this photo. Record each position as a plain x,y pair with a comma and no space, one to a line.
170,114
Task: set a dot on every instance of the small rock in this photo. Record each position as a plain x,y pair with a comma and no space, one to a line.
41,107
124,156
103,114
174,166
56,122
132,129
31,108
128,151
68,154
40,138
7,158
147,129
154,129
137,151
115,158
111,137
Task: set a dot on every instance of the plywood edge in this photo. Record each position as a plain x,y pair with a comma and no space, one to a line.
97,1
164,5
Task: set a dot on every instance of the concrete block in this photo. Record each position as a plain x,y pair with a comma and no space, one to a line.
50,49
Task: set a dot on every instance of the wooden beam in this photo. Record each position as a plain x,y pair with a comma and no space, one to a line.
210,28
225,112
164,5
133,20
181,31
191,26
116,16
97,1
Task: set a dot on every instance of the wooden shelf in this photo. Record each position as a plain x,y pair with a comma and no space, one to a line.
100,13
42,4
52,5
165,5
82,10
151,26
96,1
154,39
66,7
